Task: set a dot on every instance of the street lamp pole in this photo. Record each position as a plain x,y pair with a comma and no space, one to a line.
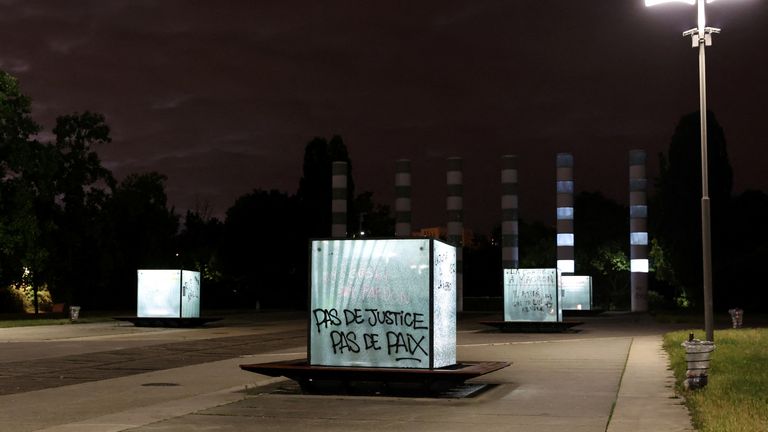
701,37
706,237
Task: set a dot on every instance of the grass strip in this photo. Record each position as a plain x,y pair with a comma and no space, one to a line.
736,398
43,320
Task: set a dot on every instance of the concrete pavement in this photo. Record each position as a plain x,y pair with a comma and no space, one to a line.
646,401
611,375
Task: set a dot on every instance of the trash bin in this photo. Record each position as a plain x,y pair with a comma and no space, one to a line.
697,356
737,317
74,313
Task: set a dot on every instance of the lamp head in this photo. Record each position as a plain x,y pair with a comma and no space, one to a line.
655,2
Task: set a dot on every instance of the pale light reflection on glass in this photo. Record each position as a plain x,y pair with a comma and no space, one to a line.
638,238
565,213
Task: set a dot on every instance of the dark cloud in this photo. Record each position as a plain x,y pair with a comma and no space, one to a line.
223,96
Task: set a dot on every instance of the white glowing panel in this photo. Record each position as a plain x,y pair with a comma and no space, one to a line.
566,266
565,239
168,294
576,293
656,2
532,295
638,266
638,238
444,304
564,213
565,186
383,303
190,294
638,211
158,293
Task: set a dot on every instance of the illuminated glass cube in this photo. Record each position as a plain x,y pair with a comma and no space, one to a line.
532,295
577,292
168,294
383,303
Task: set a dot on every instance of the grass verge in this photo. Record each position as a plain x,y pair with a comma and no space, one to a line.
28,320
736,398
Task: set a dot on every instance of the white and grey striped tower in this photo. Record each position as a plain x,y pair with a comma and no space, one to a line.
510,257
565,241
455,226
638,230
339,200
403,198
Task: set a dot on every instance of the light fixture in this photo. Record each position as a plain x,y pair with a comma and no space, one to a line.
701,37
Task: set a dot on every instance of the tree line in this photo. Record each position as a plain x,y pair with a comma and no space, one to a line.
68,227
66,224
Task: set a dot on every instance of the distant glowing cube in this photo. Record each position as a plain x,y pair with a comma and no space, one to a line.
168,294
532,295
576,292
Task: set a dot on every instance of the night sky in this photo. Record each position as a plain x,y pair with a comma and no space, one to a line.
222,96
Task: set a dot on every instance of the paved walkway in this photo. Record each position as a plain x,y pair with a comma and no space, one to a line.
610,376
646,401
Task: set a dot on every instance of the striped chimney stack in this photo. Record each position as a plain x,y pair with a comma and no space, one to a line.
339,200
565,242
638,230
509,214
403,198
455,228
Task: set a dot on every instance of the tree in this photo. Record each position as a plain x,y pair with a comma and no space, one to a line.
677,217
375,220
25,191
537,245
746,253
141,230
198,246
601,228
83,187
609,267
16,124
17,223
64,220
482,267
23,235
264,250
315,190
198,243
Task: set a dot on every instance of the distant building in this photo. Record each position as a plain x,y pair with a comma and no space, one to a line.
440,233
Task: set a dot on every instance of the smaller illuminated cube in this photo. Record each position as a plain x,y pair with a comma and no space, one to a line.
532,295
168,294
577,292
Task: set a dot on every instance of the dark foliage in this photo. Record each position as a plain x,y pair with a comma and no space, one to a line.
677,218
263,250
601,230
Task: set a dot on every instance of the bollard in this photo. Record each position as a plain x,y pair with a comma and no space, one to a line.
74,313
697,355
737,317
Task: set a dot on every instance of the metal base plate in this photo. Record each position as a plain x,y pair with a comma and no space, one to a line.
533,326
354,380
168,322
582,312
367,389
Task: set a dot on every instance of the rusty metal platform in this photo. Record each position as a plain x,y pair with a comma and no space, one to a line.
336,379
167,322
582,312
532,326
